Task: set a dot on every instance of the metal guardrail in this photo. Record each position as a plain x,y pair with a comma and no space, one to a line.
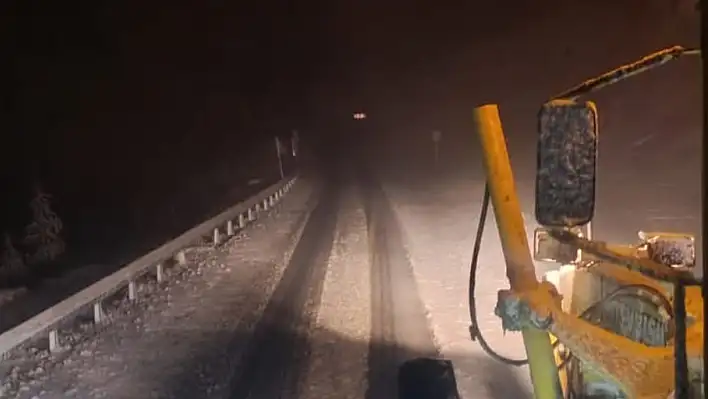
48,322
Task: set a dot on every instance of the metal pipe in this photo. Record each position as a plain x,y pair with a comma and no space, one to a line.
512,232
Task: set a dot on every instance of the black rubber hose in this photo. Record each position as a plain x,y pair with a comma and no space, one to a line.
475,333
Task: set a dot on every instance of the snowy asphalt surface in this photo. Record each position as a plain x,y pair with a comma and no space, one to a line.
317,299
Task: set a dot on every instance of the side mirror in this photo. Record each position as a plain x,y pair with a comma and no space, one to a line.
566,163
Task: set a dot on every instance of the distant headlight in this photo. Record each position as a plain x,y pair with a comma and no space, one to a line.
359,115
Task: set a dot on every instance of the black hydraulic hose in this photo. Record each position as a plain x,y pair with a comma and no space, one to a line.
475,333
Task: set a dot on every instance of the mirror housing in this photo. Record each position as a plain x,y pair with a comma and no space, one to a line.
548,249
671,249
566,163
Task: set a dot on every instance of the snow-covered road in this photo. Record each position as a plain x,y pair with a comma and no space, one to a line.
439,219
334,288
324,297
315,300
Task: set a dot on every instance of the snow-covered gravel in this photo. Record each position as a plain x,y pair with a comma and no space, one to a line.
339,341
179,340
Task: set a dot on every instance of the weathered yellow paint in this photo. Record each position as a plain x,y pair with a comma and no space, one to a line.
640,371
583,287
512,232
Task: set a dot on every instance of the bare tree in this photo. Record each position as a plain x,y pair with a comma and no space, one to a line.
43,235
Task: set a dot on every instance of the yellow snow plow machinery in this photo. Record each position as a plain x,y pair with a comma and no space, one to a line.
609,320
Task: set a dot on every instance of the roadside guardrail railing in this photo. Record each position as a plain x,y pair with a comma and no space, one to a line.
48,322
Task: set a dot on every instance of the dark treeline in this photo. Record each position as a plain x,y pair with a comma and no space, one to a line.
141,117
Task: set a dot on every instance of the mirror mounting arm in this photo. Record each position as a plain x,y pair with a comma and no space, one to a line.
647,267
644,64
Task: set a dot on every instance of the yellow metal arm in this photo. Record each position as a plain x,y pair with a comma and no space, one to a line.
601,251
520,267
641,371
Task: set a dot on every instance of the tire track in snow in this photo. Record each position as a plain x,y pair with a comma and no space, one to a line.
278,352
399,330
339,342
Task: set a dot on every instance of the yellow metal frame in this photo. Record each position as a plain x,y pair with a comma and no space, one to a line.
639,370
519,264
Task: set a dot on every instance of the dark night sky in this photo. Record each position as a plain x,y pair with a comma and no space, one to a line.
102,100
96,92
89,75
93,76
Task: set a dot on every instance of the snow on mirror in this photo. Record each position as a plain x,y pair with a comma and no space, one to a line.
566,163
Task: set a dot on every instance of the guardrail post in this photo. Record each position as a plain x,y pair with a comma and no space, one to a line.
251,216
181,258
97,313
265,204
217,236
241,221
258,207
132,291
271,199
159,272
54,341
230,228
